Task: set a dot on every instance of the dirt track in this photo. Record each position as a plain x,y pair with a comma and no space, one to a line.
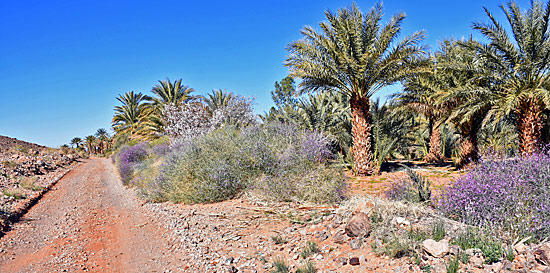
87,223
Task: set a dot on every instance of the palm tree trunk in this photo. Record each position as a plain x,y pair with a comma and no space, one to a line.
530,123
363,156
469,151
434,154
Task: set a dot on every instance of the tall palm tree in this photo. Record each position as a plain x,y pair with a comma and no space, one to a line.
355,55
76,142
102,138
90,142
464,94
522,59
418,97
217,99
168,92
131,115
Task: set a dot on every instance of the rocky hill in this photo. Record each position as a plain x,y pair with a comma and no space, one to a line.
9,143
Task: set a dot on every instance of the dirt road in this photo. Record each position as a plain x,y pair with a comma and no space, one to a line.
87,223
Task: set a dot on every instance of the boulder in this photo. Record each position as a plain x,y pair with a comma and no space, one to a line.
436,249
358,226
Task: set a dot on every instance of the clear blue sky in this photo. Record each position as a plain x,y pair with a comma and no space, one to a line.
62,63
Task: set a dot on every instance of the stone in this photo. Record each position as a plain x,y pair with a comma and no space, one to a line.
477,261
436,249
356,243
401,222
520,248
354,261
358,226
342,260
542,255
339,237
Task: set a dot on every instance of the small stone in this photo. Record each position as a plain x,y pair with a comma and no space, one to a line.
342,260
477,261
358,226
354,261
339,237
520,248
356,243
436,249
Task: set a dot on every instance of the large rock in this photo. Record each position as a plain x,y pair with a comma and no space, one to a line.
436,249
358,226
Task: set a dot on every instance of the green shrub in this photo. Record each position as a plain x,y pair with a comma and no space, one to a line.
275,161
280,266
491,248
307,268
310,249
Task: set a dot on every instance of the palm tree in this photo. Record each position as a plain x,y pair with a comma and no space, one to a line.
522,61
131,115
418,97
355,55
90,142
217,99
464,94
102,138
76,142
168,92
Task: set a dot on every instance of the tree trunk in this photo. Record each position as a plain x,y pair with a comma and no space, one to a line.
530,123
363,156
434,152
469,151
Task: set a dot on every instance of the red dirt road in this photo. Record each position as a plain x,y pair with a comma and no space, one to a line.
87,223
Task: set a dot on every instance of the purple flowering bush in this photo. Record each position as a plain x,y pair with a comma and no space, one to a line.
510,195
128,158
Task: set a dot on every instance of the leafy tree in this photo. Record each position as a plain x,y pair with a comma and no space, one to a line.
76,142
217,99
521,58
167,92
355,55
131,116
91,145
418,97
102,139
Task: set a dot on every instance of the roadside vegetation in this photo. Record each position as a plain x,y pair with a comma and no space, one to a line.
482,107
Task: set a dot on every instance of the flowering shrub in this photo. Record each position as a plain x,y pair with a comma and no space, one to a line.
511,195
128,158
193,119
276,161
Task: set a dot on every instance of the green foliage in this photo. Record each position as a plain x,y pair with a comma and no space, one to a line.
280,266
491,248
453,266
438,231
15,193
414,189
309,267
29,183
310,249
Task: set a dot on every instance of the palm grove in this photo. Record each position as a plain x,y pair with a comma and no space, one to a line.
464,98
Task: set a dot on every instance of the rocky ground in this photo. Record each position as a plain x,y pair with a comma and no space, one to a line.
27,171
89,222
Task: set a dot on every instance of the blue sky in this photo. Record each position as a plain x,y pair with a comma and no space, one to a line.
62,63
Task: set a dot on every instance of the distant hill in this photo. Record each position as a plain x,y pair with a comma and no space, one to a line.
7,143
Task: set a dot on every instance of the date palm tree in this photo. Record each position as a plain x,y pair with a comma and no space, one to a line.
522,58
76,142
168,92
217,99
131,115
90,142
418,97
357,56
102,139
